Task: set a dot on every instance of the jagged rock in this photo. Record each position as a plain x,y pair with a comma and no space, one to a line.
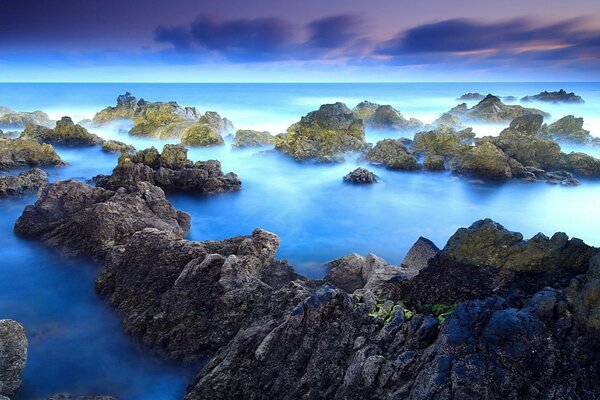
582,164
433,162
387,117
492,109
201,135
13,356
323,135
393,155
250,138
162,120
10,119
529,124
221,125
353,272
360,176
418,256
114,146
471,96
484,160
554,97
528,150
25,182
65,133
567,129
443,141
126,108
15,153
171,170
449,120
365,110
81,219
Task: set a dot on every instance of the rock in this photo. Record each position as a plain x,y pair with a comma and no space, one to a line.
323,135
16,153
511,99
393,155
443,141
25,182
127,107
471,96
66,133
201,135
171,170
365,110
492,109
528,150
554,97
250,138
222,126
584,294
567,129
69,396
10,119
563,178
582,164
114,146
13,356
529,124
433,162
449,120
353,272
387,117
418,256
81,219
360,176
162,120
484,160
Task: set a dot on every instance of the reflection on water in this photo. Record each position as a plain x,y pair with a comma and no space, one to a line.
76,342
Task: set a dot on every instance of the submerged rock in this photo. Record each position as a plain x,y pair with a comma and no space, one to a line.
492,109
65,133
560,96
360,176
16,153
392,154
323,135
13,356
171,170
28,181
10,119
251,138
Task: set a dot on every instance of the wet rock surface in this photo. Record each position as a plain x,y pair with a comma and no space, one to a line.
171,170
360,176
418,256
25,182
13,356
18,153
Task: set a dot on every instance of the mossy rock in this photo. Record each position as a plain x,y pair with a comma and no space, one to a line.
17,120
114,146
201,135
149,157
65,133
20,152
221,125
436,142
529,151
392,154
365,110
568,129
126,108
582,164
434,162
162,120
484,161
174,156
251,138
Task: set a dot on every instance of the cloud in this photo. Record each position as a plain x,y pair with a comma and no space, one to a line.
334,32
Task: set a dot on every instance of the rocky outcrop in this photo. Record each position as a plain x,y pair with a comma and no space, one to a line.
418,256
171,170
13,356
221,125
250,138
126,108
81,219
365,110
492,109
201,135
17,153
443,141
115,146
471,96
434,162
65,133
10,119
392,154
323,135
25,182
567,129
484,160
448,120
360,176
560,96
384,117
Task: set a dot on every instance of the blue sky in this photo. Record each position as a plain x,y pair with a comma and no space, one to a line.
267,40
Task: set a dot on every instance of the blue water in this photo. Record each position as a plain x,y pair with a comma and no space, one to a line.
76,342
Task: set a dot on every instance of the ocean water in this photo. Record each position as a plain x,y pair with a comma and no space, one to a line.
76,343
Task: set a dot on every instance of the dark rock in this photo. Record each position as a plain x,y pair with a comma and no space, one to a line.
69,396
171,170
16,153
360,175
492,109
418,256
471,96
13,356
554,97
28,181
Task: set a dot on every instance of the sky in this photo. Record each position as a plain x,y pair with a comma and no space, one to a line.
291,41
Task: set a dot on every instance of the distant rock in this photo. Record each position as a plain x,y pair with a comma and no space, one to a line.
392,154
251,138
10,119
492,109
567,130
16,153
471,96
13,356
223,126
360,176
384,117
25,182
560,96
126,108
201,135
449,120
418,256
171,170
65,133
323,135
114,146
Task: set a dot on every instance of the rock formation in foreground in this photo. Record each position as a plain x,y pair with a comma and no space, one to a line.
323,135
171,170
13,356
491,315
28,181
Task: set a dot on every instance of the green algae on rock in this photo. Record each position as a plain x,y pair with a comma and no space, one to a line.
16,153
568,129
201,135
65,133
392,154
252,138
492,109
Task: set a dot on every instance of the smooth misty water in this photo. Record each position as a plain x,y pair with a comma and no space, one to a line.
76,343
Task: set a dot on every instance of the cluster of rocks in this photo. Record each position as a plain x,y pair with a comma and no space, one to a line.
171,170
167,120
20,152
492,109
569,130
560,96
65,133
25,182
377,116
490,315
10,119
361,176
